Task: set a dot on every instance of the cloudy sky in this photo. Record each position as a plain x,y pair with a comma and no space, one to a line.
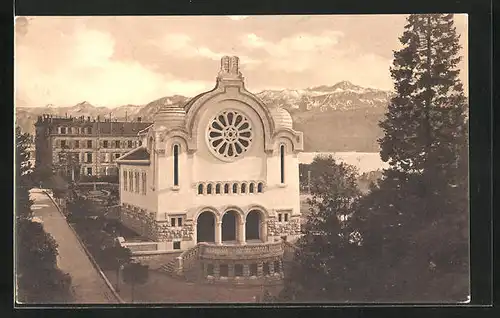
112,61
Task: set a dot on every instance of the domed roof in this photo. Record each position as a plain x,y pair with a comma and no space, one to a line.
169,115
281,117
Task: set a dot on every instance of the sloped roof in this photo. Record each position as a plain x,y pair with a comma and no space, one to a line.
139,153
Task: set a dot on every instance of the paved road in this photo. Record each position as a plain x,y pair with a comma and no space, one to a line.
88,286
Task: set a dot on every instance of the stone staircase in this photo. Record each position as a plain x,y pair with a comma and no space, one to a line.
191,271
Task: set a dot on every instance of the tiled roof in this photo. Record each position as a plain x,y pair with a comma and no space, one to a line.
140,153
121,128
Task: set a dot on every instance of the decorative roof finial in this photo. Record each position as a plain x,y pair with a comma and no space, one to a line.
230,68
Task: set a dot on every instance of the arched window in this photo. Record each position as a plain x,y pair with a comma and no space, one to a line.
200,188
226,188
209,188
251,188
217,188
260,186
282,160
243,188
176,165
235,188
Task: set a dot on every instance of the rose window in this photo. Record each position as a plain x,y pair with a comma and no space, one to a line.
229,134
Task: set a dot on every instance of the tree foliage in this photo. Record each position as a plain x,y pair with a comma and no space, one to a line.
410,232
329,244
38,278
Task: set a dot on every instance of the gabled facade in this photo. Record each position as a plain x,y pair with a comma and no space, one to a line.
222,169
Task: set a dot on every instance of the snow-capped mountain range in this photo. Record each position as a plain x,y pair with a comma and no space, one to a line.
344,115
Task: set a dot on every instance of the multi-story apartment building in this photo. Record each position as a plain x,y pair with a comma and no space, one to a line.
88,146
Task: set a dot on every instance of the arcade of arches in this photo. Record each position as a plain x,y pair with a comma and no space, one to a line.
233,227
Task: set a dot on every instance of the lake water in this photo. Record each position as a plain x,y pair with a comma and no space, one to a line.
364,161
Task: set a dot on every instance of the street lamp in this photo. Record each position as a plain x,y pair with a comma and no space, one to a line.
118,278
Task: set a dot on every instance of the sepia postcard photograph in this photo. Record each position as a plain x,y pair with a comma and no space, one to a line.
261,159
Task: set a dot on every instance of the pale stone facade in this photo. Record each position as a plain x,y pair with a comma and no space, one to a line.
221,169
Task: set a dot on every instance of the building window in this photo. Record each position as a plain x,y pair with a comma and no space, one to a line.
243,188
224,270
89,157
89,130
280,217
172,222
235,188
210,269
177,245
89,171
89,143
105,144
77,144
265,268
63,130
144,183
200,189
251,188
130,181
136,182
229,135
282,160
124,180
117,144
63,143
176,165
217,188
209,188
179,221
253,269
117,155
238,270
260,187
286,217
226,188
130,144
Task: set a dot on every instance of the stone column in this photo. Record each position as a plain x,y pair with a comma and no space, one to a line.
271,268
230,272
216,270
259,269
205,270
263,231
246,270
195,233
242,233
218,233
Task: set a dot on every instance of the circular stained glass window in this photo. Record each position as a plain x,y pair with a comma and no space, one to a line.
229,135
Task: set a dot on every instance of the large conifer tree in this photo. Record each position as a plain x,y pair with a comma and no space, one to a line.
426,119
423,197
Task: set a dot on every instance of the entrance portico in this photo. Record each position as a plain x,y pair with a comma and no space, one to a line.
233,227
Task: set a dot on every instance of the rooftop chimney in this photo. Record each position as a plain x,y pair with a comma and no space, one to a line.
139,119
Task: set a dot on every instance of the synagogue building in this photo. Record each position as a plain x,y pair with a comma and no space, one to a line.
221,169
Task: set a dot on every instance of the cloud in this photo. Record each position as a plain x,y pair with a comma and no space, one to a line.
92,75
116,60
181,45
294,53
